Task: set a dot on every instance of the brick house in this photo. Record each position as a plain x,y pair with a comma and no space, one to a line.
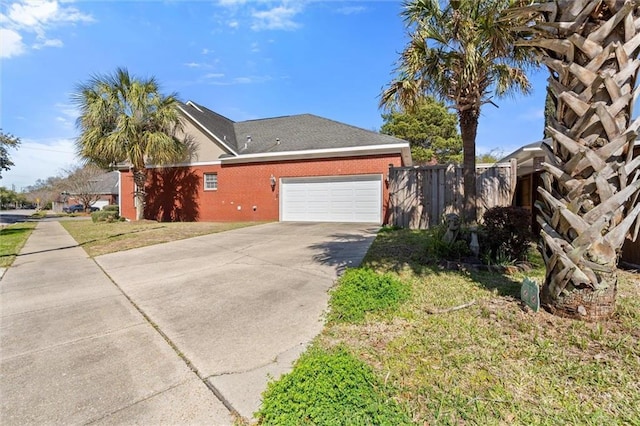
291,168
104,189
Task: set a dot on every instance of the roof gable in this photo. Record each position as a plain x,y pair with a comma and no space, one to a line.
217,125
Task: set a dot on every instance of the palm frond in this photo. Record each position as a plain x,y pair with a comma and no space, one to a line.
126,119
458,51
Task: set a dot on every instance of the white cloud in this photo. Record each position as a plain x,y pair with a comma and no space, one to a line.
38,159
262,14
228,3
350,10
49,43
206,51
277,18
33,19
243,80
39,13
67,114
32,13
211,63
67,110
254,79
214,75
10,43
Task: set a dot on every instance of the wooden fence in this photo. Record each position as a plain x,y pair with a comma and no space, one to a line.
420,196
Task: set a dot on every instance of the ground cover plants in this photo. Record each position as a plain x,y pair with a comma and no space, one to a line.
12,238
99,238
331,387
462,349
362,291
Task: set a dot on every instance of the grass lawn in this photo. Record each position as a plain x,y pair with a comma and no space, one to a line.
493,362
102,237
12,238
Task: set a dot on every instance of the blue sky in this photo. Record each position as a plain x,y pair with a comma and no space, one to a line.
244,59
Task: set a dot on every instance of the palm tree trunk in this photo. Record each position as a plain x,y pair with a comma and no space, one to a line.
468,131
591,183
140,180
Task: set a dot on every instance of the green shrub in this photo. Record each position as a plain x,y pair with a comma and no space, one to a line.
111,208
362,290
329,388
506,233
389,228
104,216
437,249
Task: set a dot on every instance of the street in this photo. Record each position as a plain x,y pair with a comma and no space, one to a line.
7,217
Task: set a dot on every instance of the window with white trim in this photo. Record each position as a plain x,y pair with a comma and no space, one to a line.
210,181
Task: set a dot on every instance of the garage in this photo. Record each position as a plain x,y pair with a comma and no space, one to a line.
331,199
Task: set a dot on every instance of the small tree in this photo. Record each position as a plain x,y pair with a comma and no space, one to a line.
84,184
492,156
7,140
430,129
44,191
11,198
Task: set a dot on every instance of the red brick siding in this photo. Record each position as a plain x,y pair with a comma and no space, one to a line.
172,195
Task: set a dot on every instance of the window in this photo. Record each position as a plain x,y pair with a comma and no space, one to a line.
210,181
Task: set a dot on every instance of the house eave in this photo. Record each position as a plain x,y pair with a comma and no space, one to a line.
402,149
193,164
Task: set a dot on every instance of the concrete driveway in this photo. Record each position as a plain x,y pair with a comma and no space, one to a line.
74,350
240,306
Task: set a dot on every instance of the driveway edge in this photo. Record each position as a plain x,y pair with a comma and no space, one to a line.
175,348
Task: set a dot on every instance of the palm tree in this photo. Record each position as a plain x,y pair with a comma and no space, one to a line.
127,120
591,184
461,53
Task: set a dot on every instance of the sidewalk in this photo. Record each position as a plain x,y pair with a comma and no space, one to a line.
73,349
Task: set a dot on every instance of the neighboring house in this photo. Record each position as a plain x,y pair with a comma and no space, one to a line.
529,159
105,187
291,168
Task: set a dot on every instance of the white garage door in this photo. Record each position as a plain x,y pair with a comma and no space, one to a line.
100,204
332,199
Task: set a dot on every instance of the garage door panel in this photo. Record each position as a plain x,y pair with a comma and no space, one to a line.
332,199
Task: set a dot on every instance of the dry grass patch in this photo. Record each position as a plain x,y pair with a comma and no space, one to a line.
102,238
494,362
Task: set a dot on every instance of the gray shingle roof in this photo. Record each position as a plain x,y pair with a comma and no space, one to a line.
303,132
217,124
106,183
285,134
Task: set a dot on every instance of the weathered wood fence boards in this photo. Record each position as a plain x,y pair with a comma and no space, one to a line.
419,196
